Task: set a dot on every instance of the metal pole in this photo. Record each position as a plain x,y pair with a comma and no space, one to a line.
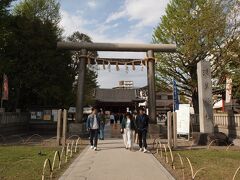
169,128
151,87
80,88
174,129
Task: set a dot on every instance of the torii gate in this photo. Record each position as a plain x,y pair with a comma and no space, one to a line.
148,48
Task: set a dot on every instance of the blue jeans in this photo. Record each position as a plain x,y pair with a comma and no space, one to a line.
101,131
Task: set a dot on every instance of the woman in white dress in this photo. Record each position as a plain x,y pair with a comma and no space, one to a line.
128,128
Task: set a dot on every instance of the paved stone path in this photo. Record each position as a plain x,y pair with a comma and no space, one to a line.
113,162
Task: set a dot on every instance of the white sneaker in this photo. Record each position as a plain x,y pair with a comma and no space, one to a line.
141,149
95,148
92,147
145,150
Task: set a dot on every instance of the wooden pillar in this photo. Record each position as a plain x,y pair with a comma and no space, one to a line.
59,125
174,129
169,128
151,87
80,88
64,129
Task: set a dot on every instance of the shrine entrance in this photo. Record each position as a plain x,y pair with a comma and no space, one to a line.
148,62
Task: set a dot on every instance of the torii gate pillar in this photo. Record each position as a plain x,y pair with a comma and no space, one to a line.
80,87
151,86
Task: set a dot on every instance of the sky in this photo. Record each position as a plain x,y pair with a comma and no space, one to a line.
122,21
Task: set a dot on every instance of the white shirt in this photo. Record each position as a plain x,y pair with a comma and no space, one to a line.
112,117
128,123
95,123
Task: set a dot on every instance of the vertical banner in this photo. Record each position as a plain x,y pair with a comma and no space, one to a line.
228,90
5,88
175,97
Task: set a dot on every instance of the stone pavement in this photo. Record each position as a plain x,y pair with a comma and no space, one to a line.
113,162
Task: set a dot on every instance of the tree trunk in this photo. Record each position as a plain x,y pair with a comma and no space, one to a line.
195,101
16,104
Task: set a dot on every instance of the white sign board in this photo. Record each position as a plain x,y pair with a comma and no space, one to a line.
55,115
183,119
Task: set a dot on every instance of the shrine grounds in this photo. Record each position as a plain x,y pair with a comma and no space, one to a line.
21,160
208,163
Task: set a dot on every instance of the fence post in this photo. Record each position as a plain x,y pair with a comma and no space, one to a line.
64,132
169,128
174,129
59,123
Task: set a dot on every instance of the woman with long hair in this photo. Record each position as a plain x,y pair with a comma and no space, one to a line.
128,128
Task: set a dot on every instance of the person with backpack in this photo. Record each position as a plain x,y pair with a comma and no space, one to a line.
142,121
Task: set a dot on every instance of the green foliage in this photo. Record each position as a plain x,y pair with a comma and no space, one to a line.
45,10
39,75
4,21
91,74
199,28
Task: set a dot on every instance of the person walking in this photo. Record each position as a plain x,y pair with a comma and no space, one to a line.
102,124
142,128
112,118
128,128
116,118
93,125
121,118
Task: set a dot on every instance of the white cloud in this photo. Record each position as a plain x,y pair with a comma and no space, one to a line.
75,22
92,3
146,12
115,16
71,23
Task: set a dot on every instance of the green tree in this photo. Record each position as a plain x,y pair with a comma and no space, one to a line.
91,74
45,10
4,22
39,74
199,29
232,65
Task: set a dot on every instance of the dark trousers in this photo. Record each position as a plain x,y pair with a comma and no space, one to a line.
94,135
142,137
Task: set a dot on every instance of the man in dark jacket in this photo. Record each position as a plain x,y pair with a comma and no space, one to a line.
93,125
142,128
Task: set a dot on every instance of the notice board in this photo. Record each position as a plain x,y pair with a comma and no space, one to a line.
183,119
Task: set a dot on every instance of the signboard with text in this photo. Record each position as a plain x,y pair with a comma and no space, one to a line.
183,119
